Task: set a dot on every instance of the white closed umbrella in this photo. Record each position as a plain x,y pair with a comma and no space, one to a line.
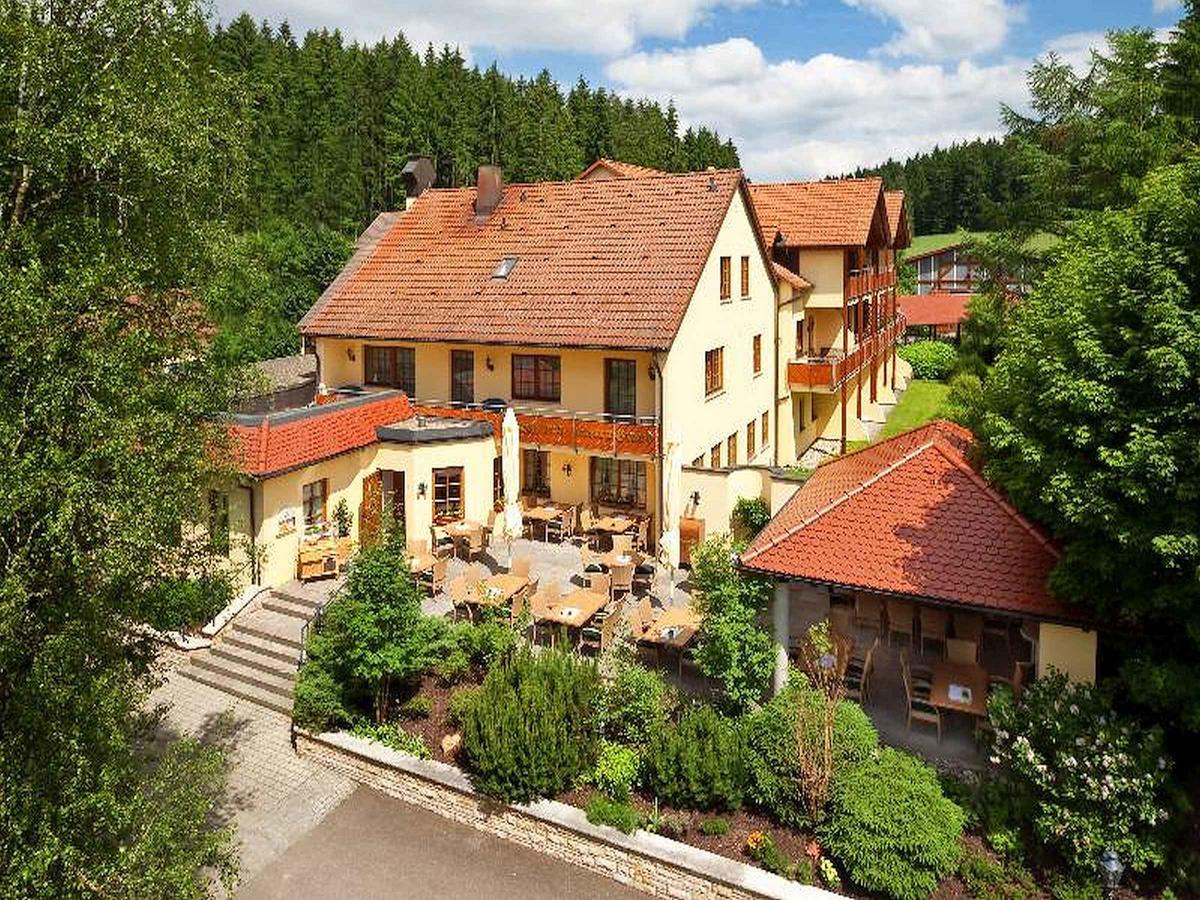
668,543
510,464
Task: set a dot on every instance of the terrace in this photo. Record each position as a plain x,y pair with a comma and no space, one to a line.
830,369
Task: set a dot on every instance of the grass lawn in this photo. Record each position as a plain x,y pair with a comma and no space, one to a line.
924,400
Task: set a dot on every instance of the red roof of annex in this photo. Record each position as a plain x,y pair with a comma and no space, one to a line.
279,442
911,516
938,308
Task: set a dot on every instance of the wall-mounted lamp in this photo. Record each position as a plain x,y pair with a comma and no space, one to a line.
653,372
350,354
421,489
566,469
695,498
491,366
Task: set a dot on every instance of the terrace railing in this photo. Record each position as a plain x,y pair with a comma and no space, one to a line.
829,371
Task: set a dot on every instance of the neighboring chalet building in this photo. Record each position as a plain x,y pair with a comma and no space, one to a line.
934,315
833,247
945,270
909,524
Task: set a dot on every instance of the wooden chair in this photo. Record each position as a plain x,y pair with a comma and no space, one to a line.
417,547
935,624
919,707
589,560
520,567
435,580
442,543
599,583
920,676
857,679
552,529
460,595
959,650
587,524
868,612
900,619
622,580
473,546
641,539
622,544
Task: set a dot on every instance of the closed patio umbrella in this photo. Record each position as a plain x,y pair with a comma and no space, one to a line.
510,462
668,543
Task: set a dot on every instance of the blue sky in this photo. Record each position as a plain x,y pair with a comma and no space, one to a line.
805,87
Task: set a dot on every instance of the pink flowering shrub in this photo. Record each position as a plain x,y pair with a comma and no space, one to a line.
1093,779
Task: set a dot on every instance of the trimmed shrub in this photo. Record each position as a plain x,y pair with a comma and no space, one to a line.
416,708
715,827
615,771
601,810
635,704
696,763
891,828
453,668
460,703
318,704
532,731
750,516
771,752
933,360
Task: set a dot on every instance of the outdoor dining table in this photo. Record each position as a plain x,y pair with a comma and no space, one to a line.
543,514
420,563
462,529
575,609
499,590
674,629
614,524
949,680
612,558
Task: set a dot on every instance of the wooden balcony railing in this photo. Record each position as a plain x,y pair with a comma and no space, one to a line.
828,372
575,431
862,283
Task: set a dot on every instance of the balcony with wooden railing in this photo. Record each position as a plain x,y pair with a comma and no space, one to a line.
868,282
830,370
596,433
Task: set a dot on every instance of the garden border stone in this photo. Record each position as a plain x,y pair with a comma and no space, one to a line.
648,862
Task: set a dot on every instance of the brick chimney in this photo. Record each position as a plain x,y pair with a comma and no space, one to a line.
489,191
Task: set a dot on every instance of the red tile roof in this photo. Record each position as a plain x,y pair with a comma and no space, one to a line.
606,263
278,442
934,309
783,273
897,213
911,516
820,213
618,169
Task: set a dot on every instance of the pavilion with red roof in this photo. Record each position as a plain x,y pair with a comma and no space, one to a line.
910,524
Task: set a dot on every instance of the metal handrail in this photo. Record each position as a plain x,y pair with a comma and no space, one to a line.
315,622
556,412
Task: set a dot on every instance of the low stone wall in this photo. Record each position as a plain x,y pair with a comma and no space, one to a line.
647,862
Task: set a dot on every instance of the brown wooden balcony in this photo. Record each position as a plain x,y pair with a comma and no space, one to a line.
829,371
574,431
862,283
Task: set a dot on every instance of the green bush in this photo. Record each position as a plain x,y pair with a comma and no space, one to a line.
635,704
750,516
416,708
715,827
392,735
460,702
991,879
696,763
318,704
486,643
771,753
185,604
764,851
933,360
601,810
453,668
1092,779
829,874
532,731
615,771
891,828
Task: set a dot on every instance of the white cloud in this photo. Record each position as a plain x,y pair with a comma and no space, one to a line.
607,27
1076,48
944,29
1165,6
826,114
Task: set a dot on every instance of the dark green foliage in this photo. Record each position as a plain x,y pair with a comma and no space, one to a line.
771,750
174,604
891,828
716,826
392,735
750,516
460,704
931,360
602,810
696,763
532,730
635,703
320,702
1090,421
415,708
991,879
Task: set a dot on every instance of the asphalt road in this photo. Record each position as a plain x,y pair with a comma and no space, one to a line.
375,846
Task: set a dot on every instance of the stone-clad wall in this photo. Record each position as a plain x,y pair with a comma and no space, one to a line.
648,862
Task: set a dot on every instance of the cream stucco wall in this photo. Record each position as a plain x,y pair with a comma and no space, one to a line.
720,491
1071,651
826,270
699,421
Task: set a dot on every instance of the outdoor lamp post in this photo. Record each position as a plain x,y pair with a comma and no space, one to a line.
1111,870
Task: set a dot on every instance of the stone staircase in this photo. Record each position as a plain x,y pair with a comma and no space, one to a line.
255,657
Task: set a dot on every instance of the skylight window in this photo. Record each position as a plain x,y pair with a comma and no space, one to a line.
504,267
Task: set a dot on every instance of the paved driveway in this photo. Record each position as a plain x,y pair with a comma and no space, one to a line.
375,846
